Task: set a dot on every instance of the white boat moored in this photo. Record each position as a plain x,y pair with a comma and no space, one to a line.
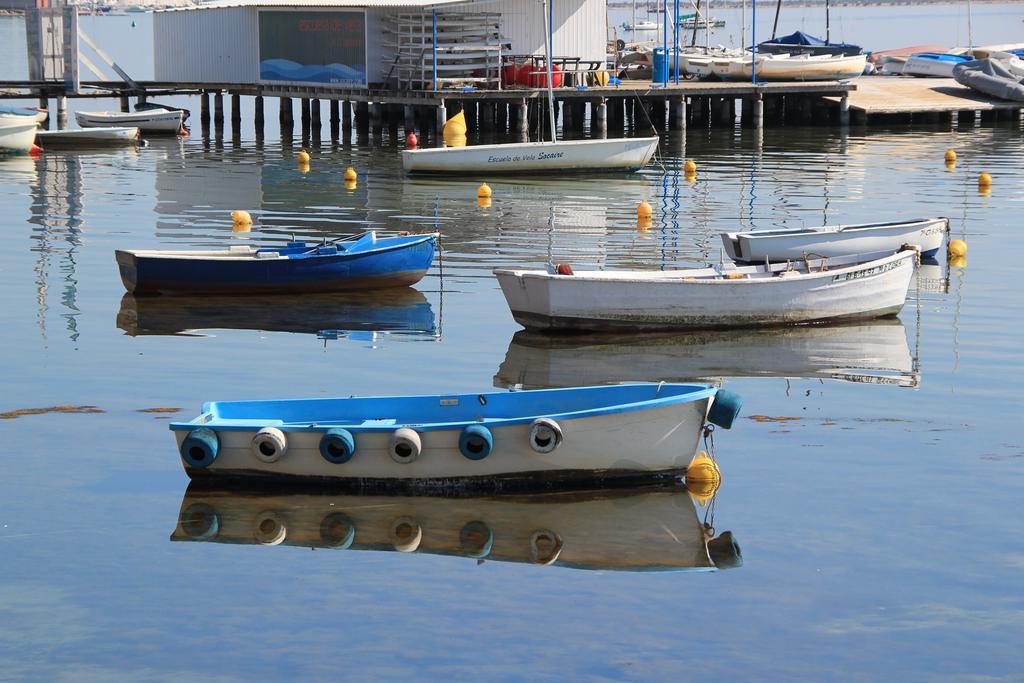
757,246
784,67
495,440
89,137
147,121
725,295
17,133
620,154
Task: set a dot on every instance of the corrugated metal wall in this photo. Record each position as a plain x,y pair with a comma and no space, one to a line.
206,46
580,27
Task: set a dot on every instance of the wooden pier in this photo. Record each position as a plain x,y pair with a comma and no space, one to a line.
639,106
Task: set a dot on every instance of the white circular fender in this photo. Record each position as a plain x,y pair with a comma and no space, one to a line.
545,435
269,444
406,534
405,445
269,529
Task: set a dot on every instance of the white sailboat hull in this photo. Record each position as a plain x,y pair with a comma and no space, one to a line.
622,154
17,133
781,67
758,246
150,121
707,298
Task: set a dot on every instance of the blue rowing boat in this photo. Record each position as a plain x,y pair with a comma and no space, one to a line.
546,437
372,260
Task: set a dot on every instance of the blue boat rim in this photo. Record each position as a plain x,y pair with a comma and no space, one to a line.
684,393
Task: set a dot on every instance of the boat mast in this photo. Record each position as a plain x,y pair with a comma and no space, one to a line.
743,23
548,49
827,26
632,27
970,36
775,26
696,21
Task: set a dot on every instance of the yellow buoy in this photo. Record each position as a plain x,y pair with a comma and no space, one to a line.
950,166
950,156
350,174
644,210
690,177
689,168
601,78
303,167
453,140
456,125
957,248
703,478
350,184
643,223
241,217
483,191
241,227
984,180
958,262
303,156
483,202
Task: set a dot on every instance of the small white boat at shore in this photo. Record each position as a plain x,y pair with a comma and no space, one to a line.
532,439
784,67
17,133
89,137
757,246
722,296
648,529
147,121
621,154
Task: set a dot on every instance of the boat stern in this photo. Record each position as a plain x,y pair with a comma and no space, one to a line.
128,267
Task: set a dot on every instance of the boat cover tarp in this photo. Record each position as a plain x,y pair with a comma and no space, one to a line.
801,38
991,77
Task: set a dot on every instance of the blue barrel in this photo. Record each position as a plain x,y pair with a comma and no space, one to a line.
660,73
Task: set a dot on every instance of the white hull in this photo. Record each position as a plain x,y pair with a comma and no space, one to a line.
702,298
661,439
929,68
152,121
635,531
782,67
830,241
873,352
17,133
619,154
89,136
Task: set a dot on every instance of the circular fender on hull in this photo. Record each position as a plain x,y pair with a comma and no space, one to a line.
476,540
406,534
545,547
200,522
269,444
725,408
476,442
268,529
338,446
337,531
404,446
200,447
545,435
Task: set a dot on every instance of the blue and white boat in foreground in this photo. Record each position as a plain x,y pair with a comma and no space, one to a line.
371,260
933,64
520,439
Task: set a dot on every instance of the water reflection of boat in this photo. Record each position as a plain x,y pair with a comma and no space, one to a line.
401,311
932,276
631,530
874,352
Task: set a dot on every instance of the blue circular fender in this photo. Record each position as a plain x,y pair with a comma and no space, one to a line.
725,409
338,446
476,442
200,447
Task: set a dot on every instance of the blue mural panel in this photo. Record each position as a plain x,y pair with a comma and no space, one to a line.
313,47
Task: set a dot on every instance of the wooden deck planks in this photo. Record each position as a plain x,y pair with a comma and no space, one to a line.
899,95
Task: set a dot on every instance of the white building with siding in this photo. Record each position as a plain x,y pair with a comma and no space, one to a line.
221,42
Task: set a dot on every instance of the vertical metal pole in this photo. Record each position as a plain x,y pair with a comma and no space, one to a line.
753,42
664,35
433,47
675,42
548,18
828,27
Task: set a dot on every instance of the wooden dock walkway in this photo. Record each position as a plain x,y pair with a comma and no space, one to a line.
899,95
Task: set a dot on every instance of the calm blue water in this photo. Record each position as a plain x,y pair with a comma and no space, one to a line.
879,528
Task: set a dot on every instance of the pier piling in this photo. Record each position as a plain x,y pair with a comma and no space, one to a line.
522,120
346,117
204,112
257,118
335,119
601,118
